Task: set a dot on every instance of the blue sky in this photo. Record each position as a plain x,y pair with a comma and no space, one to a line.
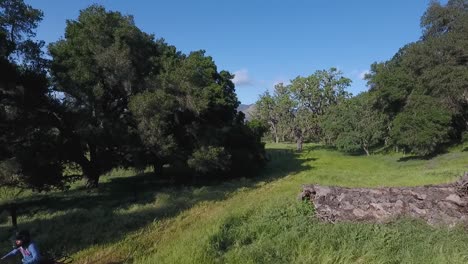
266,42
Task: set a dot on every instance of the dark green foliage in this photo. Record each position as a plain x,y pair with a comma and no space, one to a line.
439,20
422,89
138,102
28,138
247,151
18,22
419,96
126,100
423,127
154,114
390,85
188,116
416,101
354,125
30,153
209,159
258,128
97,67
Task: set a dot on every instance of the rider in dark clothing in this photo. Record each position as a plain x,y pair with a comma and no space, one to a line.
26,247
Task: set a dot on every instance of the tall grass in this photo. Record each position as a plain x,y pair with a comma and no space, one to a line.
141,219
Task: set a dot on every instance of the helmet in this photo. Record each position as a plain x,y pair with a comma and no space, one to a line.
24,237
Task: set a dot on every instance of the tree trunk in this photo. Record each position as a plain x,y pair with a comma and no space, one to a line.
275,134
365,147
158,168
274,130
366,150
91,177
299,138
14,215
299,144
90,173
90,169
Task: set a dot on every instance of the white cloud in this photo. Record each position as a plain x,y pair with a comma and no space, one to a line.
241,77
362,75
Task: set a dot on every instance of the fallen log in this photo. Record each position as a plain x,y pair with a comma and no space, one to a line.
436,204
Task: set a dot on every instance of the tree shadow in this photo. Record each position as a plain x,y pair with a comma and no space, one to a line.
311,148
409,158
440,151
74,220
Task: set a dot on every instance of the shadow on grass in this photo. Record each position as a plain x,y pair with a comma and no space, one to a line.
319,147
77,219
409,158
441,151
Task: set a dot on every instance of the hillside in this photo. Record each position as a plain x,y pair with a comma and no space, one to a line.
248,110
141,219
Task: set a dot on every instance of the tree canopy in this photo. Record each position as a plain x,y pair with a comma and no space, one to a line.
354,125
294,110
29,156
417,101
113,96
423,87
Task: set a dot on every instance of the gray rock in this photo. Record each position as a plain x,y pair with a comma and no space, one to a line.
436,204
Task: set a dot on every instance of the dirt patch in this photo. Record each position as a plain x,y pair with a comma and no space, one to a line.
436,204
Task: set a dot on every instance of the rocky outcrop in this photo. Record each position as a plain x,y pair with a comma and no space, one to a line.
436,204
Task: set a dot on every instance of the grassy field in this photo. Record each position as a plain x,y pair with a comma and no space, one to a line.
140,219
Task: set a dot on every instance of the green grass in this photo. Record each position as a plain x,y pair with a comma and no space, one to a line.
141,219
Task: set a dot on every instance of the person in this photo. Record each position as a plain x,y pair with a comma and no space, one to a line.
26,247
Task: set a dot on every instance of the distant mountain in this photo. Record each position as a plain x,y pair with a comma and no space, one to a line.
248,110
242,107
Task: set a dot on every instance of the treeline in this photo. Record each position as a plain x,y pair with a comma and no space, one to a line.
113,96
417,101
293,111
